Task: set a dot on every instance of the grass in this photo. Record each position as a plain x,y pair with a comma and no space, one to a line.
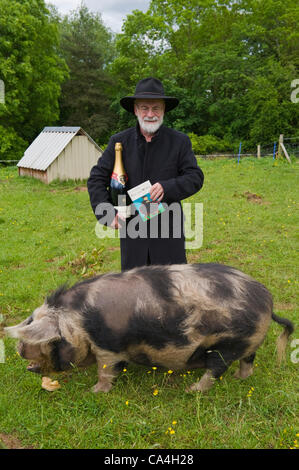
48,238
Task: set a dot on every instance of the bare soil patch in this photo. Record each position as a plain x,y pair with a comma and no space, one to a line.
11,442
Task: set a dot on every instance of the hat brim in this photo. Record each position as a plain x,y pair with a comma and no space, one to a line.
128,101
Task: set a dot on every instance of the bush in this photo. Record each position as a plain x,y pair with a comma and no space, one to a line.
205,144
12,147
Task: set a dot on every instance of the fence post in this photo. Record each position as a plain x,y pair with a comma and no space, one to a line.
239,151
279,154
259,151
282,148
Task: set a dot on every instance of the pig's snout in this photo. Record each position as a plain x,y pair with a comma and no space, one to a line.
33,366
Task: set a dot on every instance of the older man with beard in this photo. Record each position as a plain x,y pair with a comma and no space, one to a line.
151,151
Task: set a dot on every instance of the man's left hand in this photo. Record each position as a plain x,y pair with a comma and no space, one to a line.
157,192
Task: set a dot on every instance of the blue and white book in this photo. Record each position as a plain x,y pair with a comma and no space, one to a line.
140,196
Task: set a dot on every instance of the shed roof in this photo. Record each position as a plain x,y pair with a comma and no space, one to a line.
48,145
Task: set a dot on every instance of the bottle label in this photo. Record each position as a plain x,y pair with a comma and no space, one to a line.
122,179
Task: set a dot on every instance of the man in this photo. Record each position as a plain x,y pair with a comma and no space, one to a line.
161,155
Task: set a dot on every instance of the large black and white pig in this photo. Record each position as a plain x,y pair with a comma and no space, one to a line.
176,316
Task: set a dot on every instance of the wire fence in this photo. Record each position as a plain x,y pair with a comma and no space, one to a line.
292,145
268,150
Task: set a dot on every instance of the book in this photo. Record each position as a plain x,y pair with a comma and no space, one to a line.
140,196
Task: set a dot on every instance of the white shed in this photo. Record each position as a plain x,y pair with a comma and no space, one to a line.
60,153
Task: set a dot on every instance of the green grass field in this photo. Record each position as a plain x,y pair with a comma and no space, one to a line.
48,237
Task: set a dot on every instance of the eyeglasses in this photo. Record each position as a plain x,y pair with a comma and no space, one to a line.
155,109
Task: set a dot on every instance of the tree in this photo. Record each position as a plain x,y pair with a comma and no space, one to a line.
32,70
230,62
87,47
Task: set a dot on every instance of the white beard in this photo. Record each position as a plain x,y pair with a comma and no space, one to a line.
150,126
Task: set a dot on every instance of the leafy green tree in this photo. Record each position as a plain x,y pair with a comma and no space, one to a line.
87,47
230,63
32,70
272,40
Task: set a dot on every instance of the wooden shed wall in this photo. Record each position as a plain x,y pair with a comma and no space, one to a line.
75,161
41,175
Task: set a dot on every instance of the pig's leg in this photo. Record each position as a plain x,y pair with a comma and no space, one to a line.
106,370
205,383
217,363
106,376
246,367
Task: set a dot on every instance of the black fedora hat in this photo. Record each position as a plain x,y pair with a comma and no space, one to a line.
149,88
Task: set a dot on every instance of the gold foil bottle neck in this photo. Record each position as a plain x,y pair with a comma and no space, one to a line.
119,172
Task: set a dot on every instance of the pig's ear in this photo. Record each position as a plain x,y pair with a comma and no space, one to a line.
44,330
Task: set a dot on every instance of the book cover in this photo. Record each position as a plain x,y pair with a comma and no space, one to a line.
140,196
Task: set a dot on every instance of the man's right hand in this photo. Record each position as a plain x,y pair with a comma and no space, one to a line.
116,222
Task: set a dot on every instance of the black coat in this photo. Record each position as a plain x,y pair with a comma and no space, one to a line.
167,159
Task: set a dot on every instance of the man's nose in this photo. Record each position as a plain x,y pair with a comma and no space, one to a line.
150,113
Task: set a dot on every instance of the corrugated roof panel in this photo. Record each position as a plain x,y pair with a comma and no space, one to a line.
45,149
74,129
55,143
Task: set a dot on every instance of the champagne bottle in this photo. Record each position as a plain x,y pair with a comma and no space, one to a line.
118,182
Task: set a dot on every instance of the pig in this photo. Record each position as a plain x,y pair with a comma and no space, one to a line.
183,316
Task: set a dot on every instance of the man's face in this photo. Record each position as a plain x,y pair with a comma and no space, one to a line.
150,114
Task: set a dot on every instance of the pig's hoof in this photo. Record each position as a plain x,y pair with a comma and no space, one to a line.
241,374
101,387
237,374
205,383
194,388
